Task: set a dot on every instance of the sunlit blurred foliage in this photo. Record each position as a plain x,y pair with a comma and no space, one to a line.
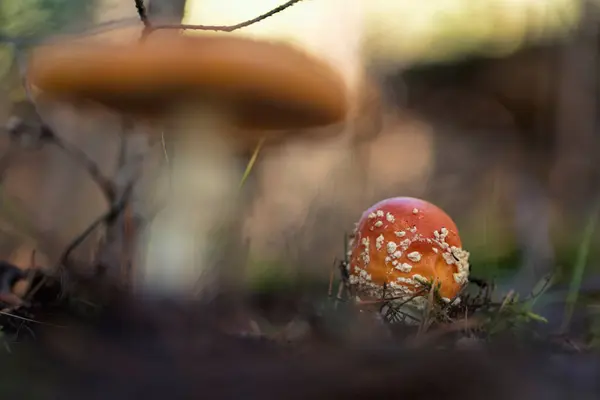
437,30
38,17
430,30
23,17
25,22
399,33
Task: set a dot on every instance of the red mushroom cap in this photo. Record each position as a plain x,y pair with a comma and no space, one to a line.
401,242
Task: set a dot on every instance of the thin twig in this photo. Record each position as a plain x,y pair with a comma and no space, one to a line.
395,308
226,28
164,148
331,277
30,320
424,325
167,160
394,298
125,224
142,12
338,297
106,185
457,326
115,210
46,134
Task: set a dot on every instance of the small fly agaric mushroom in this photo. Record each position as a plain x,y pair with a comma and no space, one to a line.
405,244
214,95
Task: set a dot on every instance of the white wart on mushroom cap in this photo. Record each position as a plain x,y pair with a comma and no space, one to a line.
403,244
207,92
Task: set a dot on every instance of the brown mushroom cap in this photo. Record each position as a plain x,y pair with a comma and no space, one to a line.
268,85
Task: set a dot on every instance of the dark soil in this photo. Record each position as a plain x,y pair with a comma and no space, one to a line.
156,350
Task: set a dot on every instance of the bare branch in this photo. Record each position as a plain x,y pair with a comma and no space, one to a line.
142,12
221,28
115,210
106,185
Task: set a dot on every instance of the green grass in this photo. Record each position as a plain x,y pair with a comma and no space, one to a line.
580,266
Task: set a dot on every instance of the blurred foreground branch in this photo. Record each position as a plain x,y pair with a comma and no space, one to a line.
116,194
108,218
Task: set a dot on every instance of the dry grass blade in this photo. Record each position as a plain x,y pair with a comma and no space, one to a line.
456,326
331,277
582,255
251,163
506,300
426,321
340,292
8,314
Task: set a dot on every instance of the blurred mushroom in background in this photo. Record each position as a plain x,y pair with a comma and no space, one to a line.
306,169
202,90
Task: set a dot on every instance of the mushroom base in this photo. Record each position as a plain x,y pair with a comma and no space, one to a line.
199,182
403,307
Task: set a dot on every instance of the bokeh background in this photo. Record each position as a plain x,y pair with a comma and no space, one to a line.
486,108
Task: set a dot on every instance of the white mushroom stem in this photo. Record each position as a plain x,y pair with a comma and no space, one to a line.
200,188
